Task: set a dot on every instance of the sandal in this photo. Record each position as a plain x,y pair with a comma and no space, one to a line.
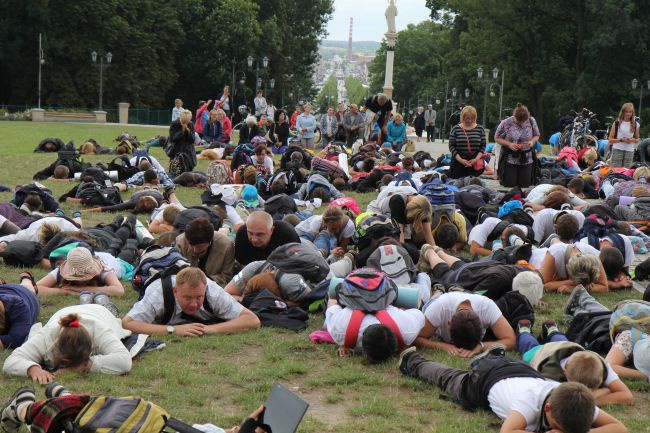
30,277
3,281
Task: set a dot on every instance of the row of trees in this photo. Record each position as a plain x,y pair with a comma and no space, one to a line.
161,49
557,56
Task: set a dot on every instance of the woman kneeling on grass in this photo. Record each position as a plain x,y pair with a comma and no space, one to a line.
76,338
80,272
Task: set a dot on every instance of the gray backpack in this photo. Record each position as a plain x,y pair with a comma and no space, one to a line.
300,258
395,262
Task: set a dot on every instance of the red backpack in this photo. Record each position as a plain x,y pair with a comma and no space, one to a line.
367,291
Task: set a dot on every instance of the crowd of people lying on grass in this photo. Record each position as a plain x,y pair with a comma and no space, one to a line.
436,261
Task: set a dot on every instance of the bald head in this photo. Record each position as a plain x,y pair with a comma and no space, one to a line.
259,227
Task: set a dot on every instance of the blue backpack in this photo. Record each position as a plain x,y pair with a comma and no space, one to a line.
157,263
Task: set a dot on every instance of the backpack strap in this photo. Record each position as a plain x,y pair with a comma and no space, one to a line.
386,320
352,331
169,301
497,230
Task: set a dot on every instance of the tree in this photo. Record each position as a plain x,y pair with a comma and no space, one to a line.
328,95
355,91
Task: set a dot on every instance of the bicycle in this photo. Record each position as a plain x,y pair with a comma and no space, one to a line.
577,134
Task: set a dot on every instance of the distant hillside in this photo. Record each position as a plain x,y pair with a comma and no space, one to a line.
365,46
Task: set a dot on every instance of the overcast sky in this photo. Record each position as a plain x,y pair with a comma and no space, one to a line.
369,20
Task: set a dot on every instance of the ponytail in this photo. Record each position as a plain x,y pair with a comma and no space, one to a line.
74,344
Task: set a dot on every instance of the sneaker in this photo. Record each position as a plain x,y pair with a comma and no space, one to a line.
85,298
529,210
403,359
574,300
481,215
55,389
423,264
496,350
76,214
454,288
10,420
102,299
549,327
59,212
524,325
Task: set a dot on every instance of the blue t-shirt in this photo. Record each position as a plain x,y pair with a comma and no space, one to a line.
21,312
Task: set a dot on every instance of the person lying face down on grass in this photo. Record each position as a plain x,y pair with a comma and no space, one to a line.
201,307
515,392
81,271
76,338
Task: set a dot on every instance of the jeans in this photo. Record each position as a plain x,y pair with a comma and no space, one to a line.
527,341
323,241
587,304
643,150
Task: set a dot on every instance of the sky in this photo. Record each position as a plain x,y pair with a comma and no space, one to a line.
369,21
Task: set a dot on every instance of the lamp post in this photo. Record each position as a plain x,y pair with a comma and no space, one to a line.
41,61
265,63
635,84
108,56
488,83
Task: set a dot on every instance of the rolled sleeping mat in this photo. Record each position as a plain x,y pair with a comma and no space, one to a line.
112,175
407,297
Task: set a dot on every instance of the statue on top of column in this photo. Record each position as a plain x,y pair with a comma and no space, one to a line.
391,13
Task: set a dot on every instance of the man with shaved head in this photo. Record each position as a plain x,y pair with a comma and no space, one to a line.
260,236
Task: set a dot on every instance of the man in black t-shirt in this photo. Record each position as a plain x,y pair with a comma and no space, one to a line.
260,236
378,105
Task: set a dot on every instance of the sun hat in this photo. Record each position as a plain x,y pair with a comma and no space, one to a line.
80,265
249,196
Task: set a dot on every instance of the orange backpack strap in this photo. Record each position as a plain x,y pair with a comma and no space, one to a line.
385,319
352,331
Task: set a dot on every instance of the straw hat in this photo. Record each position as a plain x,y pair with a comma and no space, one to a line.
80,265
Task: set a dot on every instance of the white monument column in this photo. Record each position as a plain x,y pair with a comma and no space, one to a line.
391,38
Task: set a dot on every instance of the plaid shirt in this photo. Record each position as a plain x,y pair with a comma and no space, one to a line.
138,179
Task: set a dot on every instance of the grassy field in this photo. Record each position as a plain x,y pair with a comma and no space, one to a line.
220,379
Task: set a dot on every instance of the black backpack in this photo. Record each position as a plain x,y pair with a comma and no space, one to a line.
280,205
185,216
298,258
591,331
96,173
123,166
22,253
49,202
57,142
96,194
179,164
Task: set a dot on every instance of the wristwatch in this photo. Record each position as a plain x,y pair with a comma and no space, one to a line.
170,329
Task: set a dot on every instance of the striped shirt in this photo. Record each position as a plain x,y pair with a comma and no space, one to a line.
458,142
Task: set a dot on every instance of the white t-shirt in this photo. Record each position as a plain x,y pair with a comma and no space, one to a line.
538,194
268,163
543,222
154,162
628,257
480,232
624,131
30,233
537,257
440,311
314,223
558,252
524,395
157,214
410,322
152,306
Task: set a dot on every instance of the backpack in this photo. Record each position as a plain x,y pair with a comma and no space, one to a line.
286,156
49,202
438,193
273,311
628,315
179,164
123,166
219,172
156,263
469,205
191,213
106,414
395,262
280,205
420,156
591,331
329,168
347,205
242,155
96,173
595,228
96,194
299,258
367,291
515,307
404,177
58,144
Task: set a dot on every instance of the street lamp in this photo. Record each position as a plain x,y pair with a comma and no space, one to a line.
109,57
488,83
635,84
41,61
265,63
466,94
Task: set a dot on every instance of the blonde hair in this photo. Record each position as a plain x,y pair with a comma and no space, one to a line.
585,367
47,231
590,156
467,110
628,105
87,148
398,117
221,112
641,172
185,116
583,269
190,276
418,212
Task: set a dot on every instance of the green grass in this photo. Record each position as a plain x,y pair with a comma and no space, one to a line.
220,379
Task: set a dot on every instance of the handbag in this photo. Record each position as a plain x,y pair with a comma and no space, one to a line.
479,164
